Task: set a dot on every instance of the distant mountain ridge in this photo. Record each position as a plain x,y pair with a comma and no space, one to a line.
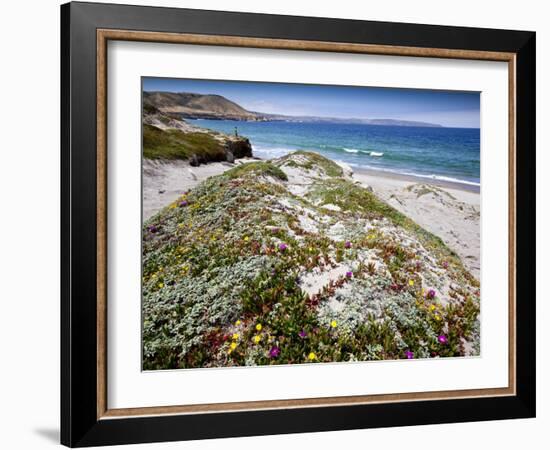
211,106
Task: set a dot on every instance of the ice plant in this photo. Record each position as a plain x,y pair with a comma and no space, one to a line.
183,203
349,274
274,352
347,244
442,339
259,327
302,334
312,356
282,247
431,293
409,354
445,264
333,324
152,229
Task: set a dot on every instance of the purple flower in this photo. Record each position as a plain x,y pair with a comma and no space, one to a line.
347,244
183,203
152,228
282,247
431,293
274,352
442,339
445,264
349,274
302,334
409,354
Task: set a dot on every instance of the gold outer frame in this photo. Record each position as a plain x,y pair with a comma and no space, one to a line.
104,35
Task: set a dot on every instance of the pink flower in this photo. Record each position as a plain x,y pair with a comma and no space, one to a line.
409,354
442,339
282,247
183,203
274,352
349,274
431,293
347,244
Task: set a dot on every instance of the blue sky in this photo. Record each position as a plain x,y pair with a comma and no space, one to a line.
447,108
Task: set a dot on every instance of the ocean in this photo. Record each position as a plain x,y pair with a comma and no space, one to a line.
446,154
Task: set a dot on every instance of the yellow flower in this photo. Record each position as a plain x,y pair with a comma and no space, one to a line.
235,336
310,249
333,324
246,238
312,356
432,307
161,285
237,323
411,282
437,317
233,345
259,327
257,338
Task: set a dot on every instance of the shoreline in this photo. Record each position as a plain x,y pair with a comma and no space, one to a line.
455,185
450,184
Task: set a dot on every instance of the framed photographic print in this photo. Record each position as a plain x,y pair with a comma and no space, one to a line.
276,224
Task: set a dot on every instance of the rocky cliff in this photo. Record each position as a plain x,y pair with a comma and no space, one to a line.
167,136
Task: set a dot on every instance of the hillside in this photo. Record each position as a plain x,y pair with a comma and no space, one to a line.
289,261
197,106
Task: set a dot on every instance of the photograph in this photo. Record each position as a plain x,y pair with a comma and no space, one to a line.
299,224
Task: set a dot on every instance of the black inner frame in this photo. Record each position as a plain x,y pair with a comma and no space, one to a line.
79,423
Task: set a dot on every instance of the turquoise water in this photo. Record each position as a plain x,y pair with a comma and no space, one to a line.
450,154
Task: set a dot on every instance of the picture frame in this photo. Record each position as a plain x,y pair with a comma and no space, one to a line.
86,29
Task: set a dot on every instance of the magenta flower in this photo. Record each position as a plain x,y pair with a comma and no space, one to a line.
282,247
409,354
445,264
302,334
183,203
442,339
431,293
152,229
274,352
349,274
347,244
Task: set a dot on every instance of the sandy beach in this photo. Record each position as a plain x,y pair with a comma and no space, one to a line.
448,210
